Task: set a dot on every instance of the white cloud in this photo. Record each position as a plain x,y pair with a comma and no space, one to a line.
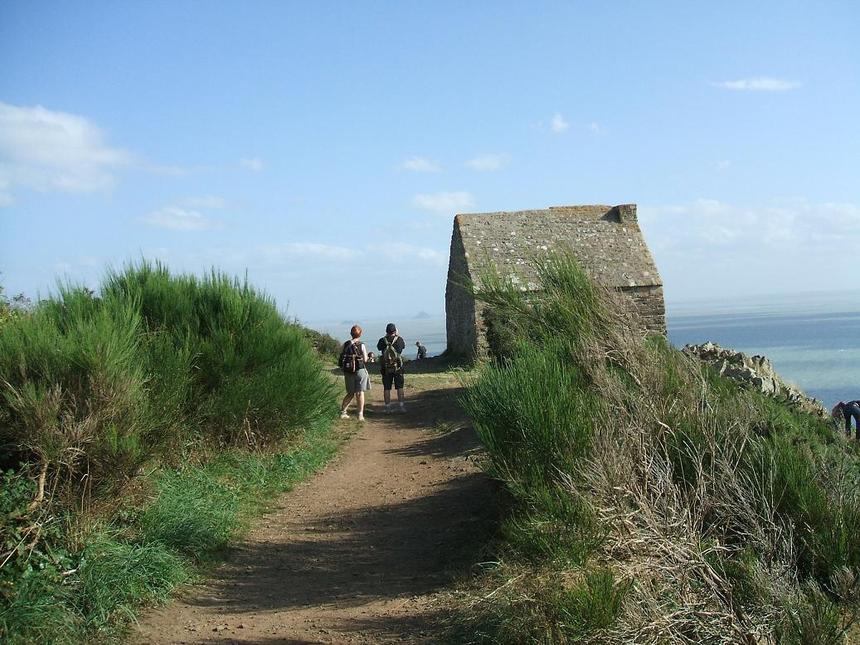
254,164
444,203
43,150
758,84
558,124
179,219
488,162
5,195
168,171
205,201
783,246
293,250
420,164
399,252
723,164
594,127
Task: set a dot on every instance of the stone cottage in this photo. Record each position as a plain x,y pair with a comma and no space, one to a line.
606,240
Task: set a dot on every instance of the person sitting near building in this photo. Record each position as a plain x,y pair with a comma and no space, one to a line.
422,351
846,411
391,347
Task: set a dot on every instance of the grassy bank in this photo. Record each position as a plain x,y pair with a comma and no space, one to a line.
652,500
141,427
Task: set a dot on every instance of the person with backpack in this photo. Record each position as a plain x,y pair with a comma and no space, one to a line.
391,347
353,362
422,350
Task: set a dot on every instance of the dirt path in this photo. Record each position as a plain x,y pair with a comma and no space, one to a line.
360,553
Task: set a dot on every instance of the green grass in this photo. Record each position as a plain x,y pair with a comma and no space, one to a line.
645,487
146,550
141,427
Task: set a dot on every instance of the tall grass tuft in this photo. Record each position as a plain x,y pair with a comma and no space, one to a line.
710,512
158,370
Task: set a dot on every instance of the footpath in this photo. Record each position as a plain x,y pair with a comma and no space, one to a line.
362,553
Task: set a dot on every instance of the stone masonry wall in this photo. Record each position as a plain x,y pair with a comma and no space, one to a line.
606,240
461,319
648,304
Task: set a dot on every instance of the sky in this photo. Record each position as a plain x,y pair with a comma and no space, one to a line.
322,149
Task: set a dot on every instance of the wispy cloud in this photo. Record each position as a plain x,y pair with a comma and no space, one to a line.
723,164
399,252
595,128
177,218
488,162
292,250
713,248
758,84
319,254
558,123
254,164
44,150
796,224
205,201
444,203
420,164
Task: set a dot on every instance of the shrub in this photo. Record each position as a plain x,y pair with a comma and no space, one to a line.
153,368
92,386
73,388
721,506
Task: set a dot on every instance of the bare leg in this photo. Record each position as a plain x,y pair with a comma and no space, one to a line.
345,402
400,395
360,398
386,394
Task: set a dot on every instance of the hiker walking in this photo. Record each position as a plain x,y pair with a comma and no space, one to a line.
422,351
353,362
846,411
391,347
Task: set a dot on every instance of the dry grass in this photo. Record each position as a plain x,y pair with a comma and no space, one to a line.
723,516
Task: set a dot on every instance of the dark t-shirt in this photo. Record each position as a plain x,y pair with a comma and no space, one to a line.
399,346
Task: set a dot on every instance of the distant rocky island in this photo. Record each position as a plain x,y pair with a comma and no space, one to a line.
421,315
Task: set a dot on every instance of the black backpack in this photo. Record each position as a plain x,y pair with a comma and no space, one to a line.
351,358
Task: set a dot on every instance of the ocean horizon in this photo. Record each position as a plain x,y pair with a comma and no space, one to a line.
812,339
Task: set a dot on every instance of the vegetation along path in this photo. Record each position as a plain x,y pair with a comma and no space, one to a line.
363,552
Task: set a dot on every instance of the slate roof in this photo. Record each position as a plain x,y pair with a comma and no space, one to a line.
607,241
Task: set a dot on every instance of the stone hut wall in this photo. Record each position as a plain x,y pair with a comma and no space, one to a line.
462,318
605,239
648,304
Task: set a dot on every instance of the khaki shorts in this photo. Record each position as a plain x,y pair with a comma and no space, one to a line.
358,382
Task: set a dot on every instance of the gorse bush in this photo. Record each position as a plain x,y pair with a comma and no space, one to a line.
154,369
73,387
92,385
694,510
254,377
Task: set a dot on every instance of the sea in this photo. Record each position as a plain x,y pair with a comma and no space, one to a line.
812,339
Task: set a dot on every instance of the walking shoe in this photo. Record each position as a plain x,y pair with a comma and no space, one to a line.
361,417
343,414
402,408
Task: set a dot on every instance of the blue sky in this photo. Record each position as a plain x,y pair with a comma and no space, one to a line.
323,148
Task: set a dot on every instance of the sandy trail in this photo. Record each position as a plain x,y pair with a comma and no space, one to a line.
361,552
